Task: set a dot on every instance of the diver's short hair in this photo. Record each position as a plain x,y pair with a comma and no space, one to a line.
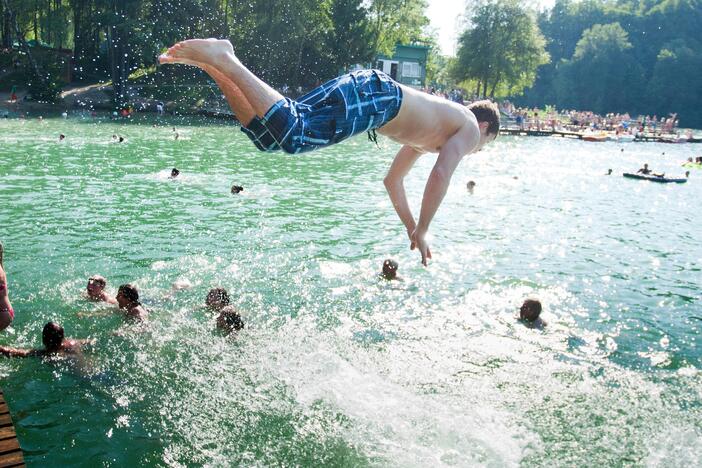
487,111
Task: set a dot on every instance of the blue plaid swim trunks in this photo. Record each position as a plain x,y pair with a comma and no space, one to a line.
357,102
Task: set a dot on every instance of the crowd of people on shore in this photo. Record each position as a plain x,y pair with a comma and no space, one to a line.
588,121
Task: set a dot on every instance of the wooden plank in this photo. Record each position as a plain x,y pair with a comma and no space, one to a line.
7,432
11,459
9,445
10,451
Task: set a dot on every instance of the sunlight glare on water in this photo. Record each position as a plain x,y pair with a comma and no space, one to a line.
335,366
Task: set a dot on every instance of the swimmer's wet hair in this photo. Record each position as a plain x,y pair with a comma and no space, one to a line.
130,292
52,335
98,279
218,295
231,319
530,310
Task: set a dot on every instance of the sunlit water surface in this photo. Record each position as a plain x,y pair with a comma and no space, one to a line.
336,367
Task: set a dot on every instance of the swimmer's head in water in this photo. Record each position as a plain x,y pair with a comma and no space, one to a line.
127,294
236,189
52,336
96,284
217,298
530,310
62,136
229,320
390,269
175,172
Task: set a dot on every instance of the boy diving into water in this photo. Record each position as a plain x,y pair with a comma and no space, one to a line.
357,102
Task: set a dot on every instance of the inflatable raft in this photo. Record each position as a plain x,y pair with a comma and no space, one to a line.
652,178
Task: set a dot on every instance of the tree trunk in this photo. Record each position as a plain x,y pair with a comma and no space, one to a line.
118,55
6,28
494,86
36,28
225,23
23,44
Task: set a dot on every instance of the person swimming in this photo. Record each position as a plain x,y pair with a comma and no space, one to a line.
229,320
609,172
530,313
470,186
96,290
389,269
55,343
237,189
217,299
128,300
174,173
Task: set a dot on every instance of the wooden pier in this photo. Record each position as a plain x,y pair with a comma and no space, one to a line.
10,451
579,136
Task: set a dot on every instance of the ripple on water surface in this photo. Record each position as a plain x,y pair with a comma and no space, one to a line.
335,366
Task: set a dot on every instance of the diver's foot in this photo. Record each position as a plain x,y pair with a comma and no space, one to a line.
206,51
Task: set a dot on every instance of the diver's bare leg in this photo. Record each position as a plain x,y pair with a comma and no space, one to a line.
235,98
220,55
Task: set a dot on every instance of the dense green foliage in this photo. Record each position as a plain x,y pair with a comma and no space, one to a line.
292,42
636,56
500,50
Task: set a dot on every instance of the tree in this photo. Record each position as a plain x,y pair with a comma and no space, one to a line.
675,85
351,37
501,49
602,75
396,21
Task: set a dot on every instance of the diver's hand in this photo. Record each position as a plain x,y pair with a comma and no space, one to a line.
419,242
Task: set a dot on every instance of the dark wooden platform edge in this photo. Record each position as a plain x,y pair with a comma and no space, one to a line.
10,451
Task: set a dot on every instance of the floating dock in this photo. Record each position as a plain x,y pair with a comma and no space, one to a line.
10,451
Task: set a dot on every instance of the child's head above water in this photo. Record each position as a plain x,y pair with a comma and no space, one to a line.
530,310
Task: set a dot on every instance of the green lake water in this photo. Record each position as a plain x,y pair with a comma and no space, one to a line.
335,367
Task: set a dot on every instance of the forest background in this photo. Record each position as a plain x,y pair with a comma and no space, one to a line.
607,56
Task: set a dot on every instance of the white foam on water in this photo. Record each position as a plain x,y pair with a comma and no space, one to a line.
676,447
393,421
